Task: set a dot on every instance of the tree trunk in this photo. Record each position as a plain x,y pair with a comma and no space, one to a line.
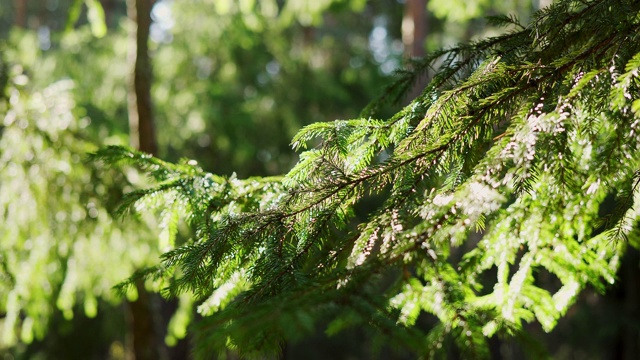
144,341
414,27
141,127
414,35
21,13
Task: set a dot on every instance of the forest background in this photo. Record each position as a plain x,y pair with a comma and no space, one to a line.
229,85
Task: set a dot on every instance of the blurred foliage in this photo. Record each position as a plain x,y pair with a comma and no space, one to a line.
227,73
58,236
460,11
230,77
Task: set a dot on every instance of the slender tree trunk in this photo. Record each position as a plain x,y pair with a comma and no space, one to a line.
143,342
21,13
414,27
141,126
43,14
414,35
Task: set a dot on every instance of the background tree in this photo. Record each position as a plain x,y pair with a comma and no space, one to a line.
145,342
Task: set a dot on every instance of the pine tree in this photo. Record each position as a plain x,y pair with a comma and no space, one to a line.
502,170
